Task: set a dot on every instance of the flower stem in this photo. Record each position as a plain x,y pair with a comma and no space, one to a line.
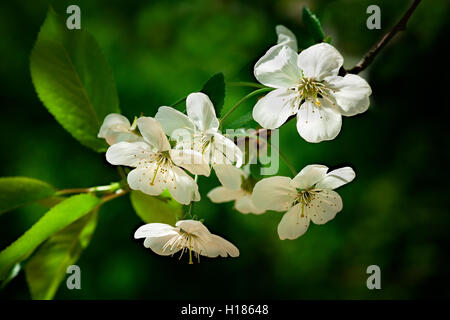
122,173
246,84
251,94
178,102
282,155
110,188
188,214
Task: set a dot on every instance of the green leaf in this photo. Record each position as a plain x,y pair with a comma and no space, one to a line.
313,25
19,191
161,209
214,88
47,267
73,80
54,220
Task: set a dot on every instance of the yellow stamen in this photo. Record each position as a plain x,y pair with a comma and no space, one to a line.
156,172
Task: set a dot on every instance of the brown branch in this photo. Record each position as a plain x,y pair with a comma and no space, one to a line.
109,197
371,54
74,190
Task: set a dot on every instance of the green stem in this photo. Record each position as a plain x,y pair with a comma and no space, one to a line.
246,84
282,155
178,102
122,173
251,94
110,188
191,205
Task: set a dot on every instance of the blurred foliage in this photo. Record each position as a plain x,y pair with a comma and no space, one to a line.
395,213
19,191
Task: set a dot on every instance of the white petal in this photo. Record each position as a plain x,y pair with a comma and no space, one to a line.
222,194
228,175
154,230
293,224
316,124
153,133
246,205
158,245
201,111
272,110
324,207
309,176
191,160
286,37
351,93
149,179
116,128
195,227
228,148
216,246
274,193
278,68
183,189
172,119
320,61
114,122
226,246
336,178
116,137
129,153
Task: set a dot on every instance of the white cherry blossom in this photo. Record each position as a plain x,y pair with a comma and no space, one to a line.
199,130
242,197
307,85
157,166
117,128
187,235
310,196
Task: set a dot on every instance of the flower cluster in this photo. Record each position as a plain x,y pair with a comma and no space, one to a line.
167,149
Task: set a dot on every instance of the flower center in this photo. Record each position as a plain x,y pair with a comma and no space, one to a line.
311,89
205,141
184,242
304,197
162,160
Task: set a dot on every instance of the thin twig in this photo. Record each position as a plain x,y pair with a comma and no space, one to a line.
178,102
246,84
110,197
111,187
371,54
73,190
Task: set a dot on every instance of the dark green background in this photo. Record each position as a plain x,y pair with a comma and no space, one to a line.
395,212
